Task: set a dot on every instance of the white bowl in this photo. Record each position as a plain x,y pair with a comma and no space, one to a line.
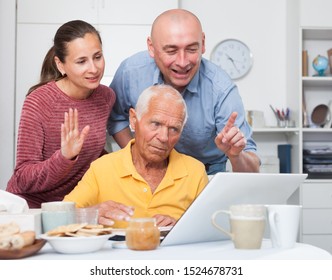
77,245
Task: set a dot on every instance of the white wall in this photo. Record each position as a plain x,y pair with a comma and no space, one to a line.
7,82
261,24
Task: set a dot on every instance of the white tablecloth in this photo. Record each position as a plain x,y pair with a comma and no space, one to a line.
220,250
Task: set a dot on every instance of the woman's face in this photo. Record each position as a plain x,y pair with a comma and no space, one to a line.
84,65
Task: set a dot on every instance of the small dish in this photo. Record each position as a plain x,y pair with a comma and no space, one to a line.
320,115
24,252
77,245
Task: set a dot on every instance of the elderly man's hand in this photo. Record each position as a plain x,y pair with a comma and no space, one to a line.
231,140
111,211
164,220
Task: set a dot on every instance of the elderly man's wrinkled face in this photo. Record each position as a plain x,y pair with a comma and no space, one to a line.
159,129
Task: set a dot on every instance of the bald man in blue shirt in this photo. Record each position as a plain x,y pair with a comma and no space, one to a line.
216,130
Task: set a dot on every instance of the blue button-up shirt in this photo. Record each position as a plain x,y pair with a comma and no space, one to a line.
211,97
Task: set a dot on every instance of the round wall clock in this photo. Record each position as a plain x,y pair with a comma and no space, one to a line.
234,57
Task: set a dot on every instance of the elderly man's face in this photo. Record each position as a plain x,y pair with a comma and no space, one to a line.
158,130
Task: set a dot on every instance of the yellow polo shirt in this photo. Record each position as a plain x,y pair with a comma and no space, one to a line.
114,177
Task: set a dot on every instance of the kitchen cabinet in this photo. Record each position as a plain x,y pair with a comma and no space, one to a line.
315,141
93,11
316,224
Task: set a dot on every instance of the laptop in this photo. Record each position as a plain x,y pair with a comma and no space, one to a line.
223,190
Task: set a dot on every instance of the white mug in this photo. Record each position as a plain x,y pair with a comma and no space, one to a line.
284,223
247,224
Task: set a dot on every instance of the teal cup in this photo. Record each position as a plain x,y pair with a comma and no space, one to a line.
57,213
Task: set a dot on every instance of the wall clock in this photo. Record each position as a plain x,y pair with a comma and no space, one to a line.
234,57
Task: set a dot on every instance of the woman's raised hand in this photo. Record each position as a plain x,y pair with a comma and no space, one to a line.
71,138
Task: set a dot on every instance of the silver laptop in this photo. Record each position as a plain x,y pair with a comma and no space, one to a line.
223,190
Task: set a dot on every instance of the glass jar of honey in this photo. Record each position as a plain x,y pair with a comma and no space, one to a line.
142,234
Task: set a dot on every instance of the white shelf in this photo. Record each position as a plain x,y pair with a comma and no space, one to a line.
319,33
317,130
267,130
325,181
275,130
324,81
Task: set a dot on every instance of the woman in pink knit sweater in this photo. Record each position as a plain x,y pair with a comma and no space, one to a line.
63,120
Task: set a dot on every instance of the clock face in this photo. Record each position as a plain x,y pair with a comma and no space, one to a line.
234,57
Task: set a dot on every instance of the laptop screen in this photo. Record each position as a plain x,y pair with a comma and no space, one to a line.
223,190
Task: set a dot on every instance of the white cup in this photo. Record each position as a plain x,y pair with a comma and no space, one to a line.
87,215
247,223
57,213
284,223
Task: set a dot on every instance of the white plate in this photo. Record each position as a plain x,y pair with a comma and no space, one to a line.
119,245
77,245
168,228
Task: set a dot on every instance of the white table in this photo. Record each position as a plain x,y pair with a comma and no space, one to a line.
219,250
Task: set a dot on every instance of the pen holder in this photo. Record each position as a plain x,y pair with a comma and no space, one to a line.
285,123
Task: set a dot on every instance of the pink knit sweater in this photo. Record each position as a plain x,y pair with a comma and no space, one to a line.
42,173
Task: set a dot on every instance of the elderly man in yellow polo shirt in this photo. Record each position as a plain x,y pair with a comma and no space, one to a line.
147,178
